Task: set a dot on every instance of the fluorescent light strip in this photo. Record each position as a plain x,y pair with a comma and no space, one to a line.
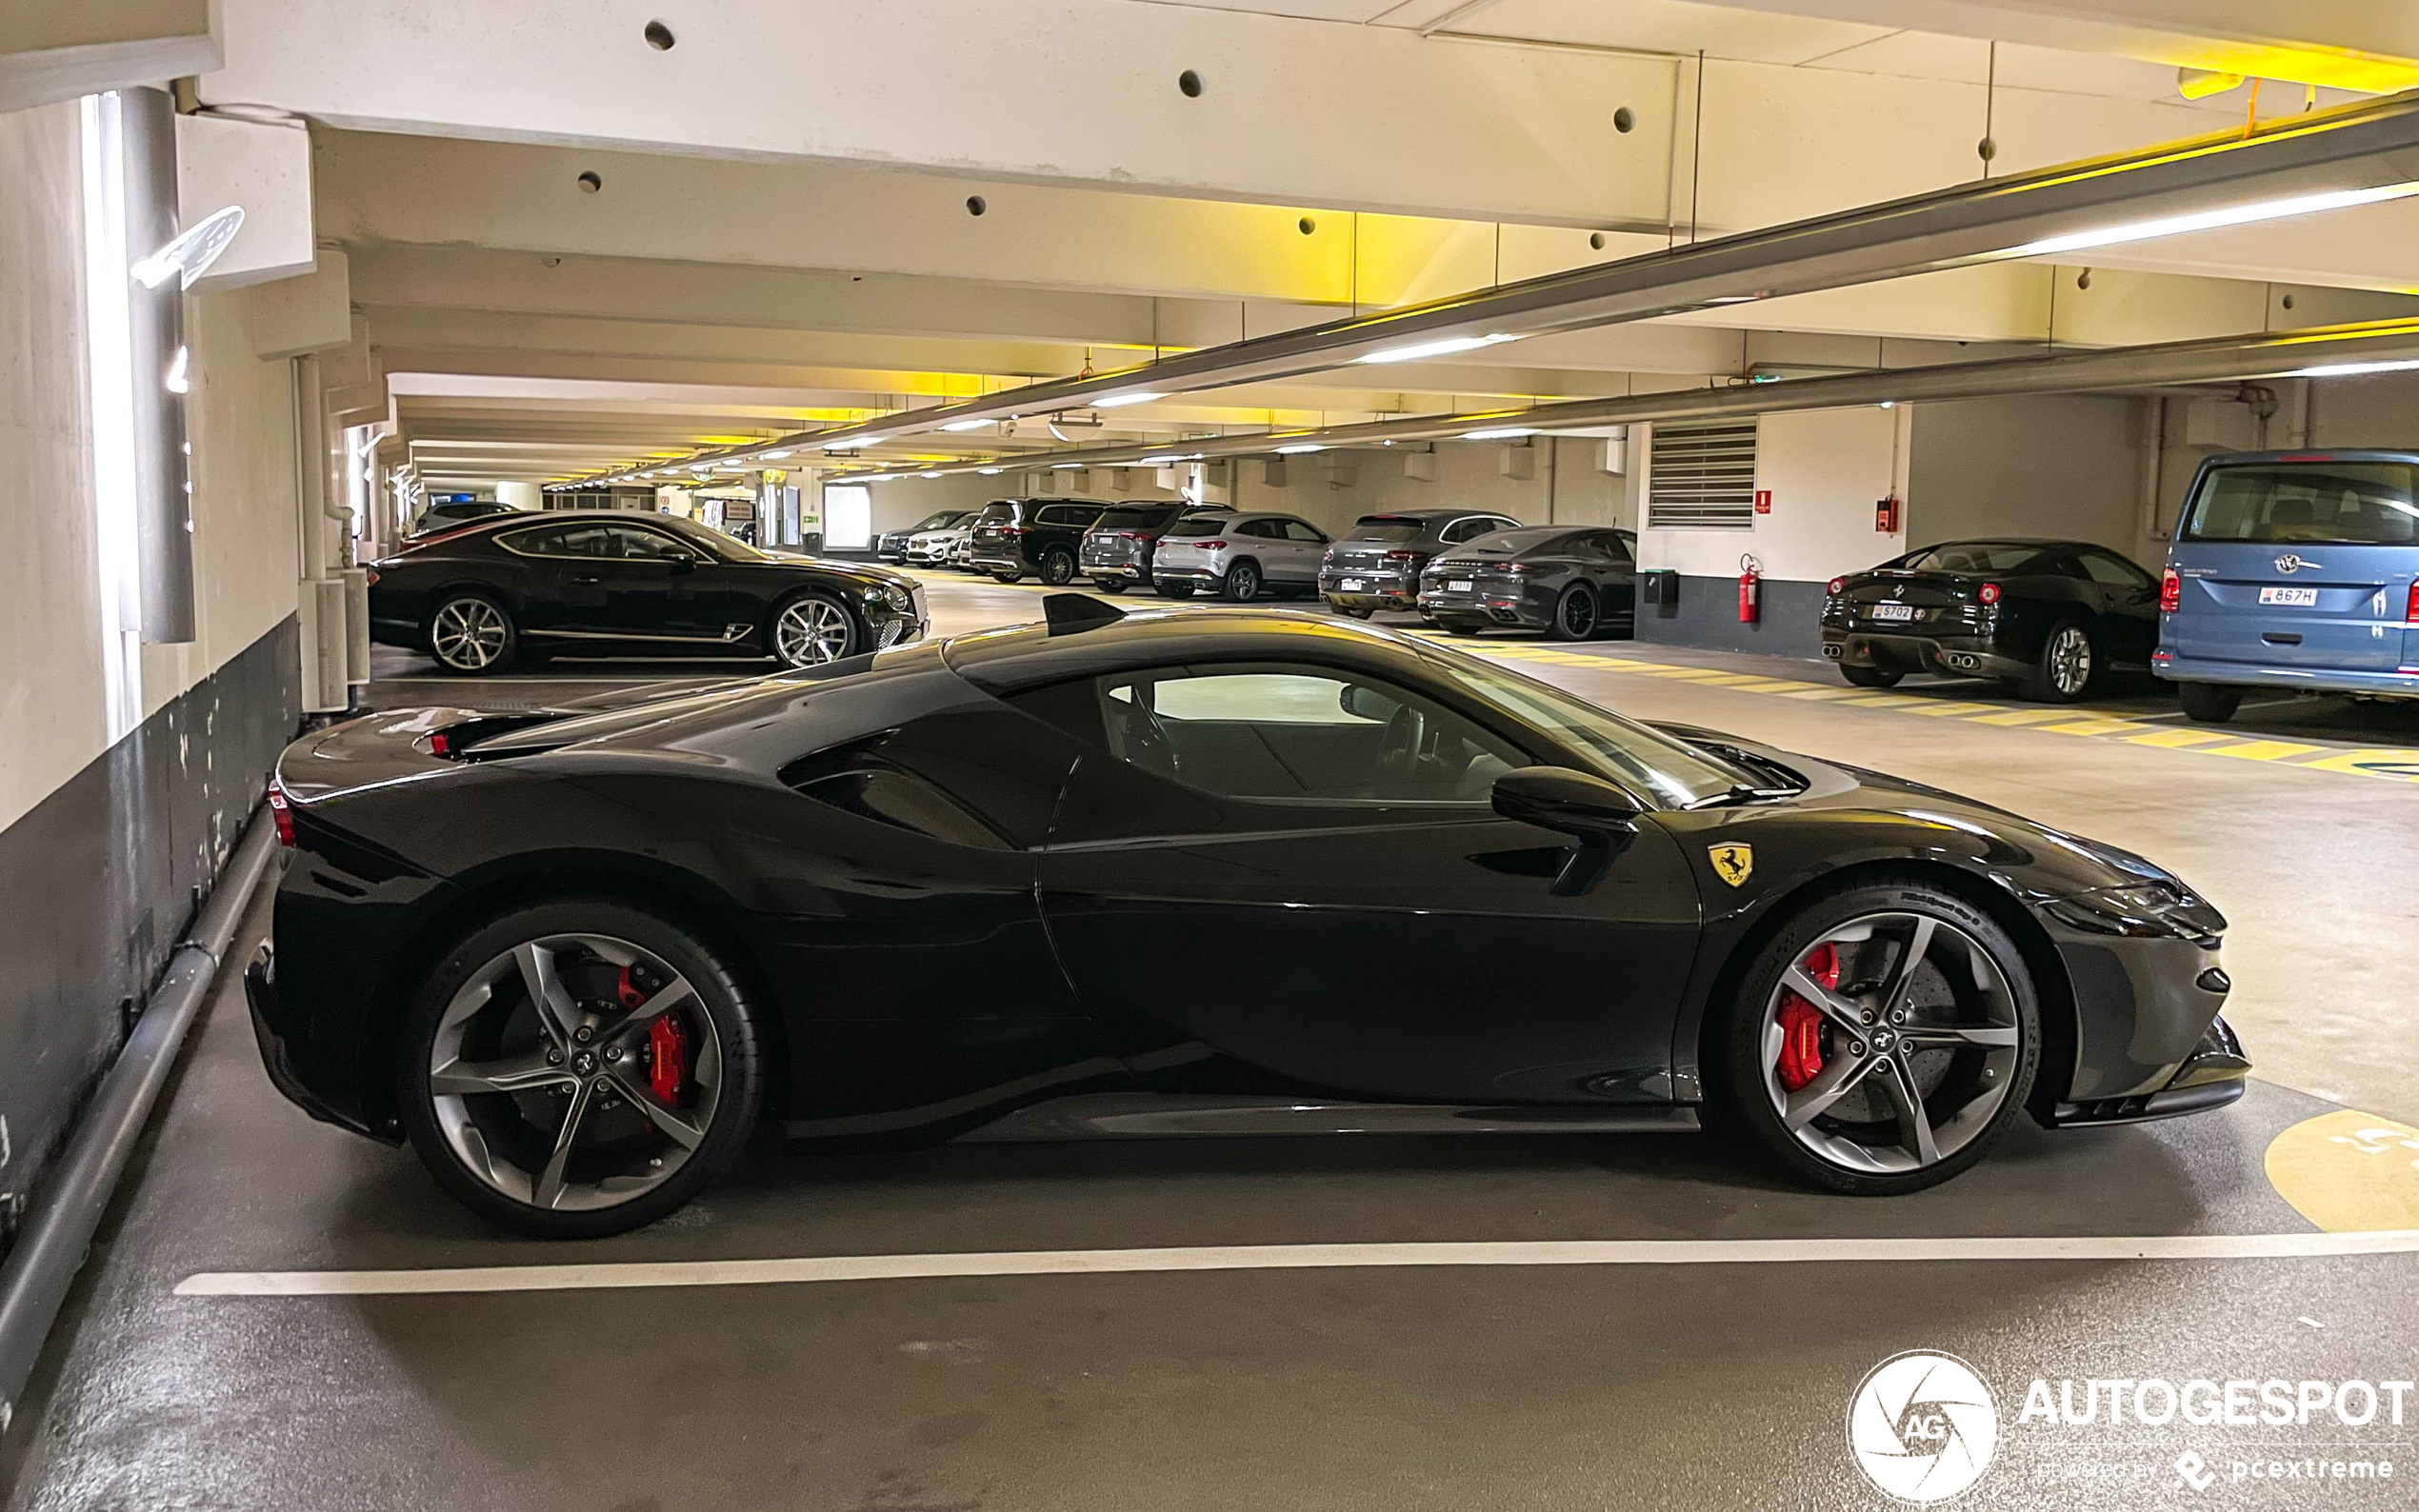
1116,402
1302,449
968,425
1507,434
1433,348
2346,369
2209,220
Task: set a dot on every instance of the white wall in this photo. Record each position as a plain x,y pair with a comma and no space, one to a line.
2065,467
239,420
1825,467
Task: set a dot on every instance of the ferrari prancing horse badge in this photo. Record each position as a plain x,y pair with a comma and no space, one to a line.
1733,864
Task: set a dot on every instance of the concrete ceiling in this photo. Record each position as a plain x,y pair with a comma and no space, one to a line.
783,228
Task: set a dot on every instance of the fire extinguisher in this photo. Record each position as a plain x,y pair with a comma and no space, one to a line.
1751,588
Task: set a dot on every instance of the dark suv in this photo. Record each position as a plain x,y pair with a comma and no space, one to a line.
1376,564
453,514
1013,537
1118,549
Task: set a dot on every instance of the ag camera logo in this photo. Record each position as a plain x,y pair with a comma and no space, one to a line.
1922,1426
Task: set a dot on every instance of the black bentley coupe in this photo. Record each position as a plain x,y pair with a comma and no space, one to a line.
2050,617
1184,872
620,583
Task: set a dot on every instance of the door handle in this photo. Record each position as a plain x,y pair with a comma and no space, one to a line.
588,580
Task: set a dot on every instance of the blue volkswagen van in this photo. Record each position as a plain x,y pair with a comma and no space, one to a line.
2295,570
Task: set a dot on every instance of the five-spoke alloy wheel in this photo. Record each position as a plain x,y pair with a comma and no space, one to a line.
1883,1040
578,1069
811,629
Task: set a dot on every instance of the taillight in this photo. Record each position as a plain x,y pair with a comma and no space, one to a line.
1989,593
440,744
369,577
1402,556
282,813
2170,592
1836,584
2411,612
1211,545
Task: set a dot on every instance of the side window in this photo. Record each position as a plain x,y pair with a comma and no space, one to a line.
1299,733
1067,514
1261,529
1302,530
645,543
2116,574
1458,532
547,541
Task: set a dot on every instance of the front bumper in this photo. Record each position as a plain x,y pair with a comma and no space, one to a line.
1911,651
2142,964
2213,1076
2292,678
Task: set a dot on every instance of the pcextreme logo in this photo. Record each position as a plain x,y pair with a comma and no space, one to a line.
1921,1426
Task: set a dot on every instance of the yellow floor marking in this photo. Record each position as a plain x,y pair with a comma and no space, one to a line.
2348,1171
2394,766
1814,690
2095,726
2261,750
1943,711
1883,701
2177,739
1770,684
2020,716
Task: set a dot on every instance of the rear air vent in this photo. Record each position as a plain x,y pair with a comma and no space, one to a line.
1702,476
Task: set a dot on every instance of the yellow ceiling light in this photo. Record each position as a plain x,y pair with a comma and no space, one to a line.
2368,72
2199,84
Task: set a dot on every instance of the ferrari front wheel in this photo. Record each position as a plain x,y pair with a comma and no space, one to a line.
1883,1040
579,1068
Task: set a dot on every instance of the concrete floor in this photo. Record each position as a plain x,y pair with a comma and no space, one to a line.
1581,1386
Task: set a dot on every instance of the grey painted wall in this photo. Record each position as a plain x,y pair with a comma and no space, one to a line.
1707,615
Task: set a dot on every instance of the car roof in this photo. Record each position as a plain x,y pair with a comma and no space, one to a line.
1028,655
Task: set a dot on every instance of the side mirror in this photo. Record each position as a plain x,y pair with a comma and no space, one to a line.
682,561
1366,703
1600,816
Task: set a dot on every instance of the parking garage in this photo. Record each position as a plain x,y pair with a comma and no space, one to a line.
1209,755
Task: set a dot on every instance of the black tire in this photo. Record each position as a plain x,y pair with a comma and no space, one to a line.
1739,1055
1576,617
1058,566
2209,703
1172,590
1243,582
1011,575
1868,676
1361,612
1110,584
719,997
468,625
1460,628
2068,665
824,608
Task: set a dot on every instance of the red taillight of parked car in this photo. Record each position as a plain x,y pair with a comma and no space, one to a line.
441,743
282,813
2411,612
1989,593
1835,585
2170,592
1403,556
1211,545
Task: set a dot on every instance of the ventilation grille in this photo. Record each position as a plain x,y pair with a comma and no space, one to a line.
1702,477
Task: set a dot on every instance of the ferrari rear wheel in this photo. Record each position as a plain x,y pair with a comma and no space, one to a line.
579,1068
1883,1040
1868,676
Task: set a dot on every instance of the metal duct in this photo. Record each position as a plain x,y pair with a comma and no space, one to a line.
2210,360
2362,147
155,322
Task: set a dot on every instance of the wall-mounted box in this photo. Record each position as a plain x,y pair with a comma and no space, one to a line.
265,169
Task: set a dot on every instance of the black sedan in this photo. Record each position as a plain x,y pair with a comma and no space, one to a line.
616,583
1572,584
2048,616
1178,873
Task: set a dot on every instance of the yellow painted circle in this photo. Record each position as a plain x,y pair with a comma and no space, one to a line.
2348,1171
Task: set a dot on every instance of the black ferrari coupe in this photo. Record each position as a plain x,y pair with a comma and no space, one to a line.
1183,873
618,583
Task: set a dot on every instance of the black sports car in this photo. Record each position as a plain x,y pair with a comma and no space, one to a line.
2049,616
1122,876
618,583
1574,585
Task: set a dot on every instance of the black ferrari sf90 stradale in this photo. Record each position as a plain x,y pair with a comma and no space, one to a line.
1184,873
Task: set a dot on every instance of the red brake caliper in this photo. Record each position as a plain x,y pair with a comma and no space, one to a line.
666,1046
1802,1022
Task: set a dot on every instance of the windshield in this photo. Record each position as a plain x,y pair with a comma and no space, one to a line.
1648,762
1512,543
1389,528
1200,524
941,521
2325,503
999,511
1974,556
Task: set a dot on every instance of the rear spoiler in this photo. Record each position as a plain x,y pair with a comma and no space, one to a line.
1072,613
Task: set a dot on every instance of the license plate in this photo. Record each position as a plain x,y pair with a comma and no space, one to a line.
1893,612
1352,585
1459,586
2299,598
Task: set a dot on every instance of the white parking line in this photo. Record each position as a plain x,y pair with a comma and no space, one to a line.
603,1277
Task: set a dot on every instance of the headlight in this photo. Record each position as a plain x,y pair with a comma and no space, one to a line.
2153,908
897,597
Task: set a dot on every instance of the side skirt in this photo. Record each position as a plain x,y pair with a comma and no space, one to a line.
1130,1115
